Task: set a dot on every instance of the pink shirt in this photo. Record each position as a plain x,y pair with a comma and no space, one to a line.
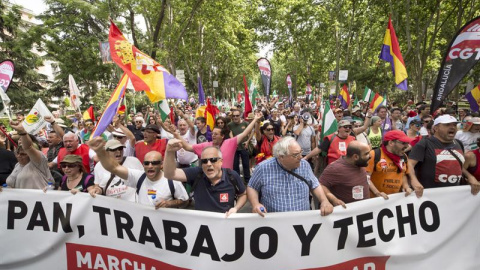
228,149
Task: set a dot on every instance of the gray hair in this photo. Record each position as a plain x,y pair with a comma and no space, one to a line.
281,147
215,147
69,134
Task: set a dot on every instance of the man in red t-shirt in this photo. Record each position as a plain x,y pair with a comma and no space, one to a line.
150,143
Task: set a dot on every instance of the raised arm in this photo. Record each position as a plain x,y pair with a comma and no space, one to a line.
170,169
97,144
27,144
58,129
249,128
366,123
118,124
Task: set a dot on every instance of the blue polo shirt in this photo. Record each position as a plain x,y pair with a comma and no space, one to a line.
219,198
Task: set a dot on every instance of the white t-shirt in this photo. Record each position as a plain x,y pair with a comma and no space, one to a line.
185,157
468,139
129,150
305,138
159,188
118,188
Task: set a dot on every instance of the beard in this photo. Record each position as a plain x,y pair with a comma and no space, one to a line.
361,162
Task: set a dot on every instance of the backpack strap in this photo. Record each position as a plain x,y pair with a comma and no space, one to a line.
233,181
140,182
172,188
64,179
376,159
104,191
85,182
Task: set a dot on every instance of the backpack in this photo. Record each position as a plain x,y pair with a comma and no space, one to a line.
85,182
230,176
142,179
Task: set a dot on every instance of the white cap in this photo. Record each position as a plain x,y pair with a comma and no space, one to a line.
445,119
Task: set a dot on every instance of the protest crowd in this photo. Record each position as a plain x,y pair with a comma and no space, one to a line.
279,157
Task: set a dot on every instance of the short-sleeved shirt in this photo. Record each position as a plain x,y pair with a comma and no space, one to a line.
159,188
281,191
304,139
346,181
215,198
118,188
436,166
31,176
237,129
468,139
138,133
227,148
185,157
386,176
82,185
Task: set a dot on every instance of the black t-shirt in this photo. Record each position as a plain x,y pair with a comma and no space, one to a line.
437,167
138,133
219,198
82,186
7,163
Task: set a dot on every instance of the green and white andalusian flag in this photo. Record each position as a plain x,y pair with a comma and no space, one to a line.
163,109
329,123
367,94
253,93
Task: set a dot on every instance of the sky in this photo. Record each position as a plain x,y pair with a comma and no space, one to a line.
37,6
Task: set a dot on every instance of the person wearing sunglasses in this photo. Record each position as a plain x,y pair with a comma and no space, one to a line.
31,171
266,139
137,128
215,189
152,188
227,146
283,183
150,142
109,184
75,178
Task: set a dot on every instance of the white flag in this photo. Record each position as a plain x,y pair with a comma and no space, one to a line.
35,121
74,93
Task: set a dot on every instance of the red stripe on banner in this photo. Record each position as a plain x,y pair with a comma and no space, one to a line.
377,263
82,257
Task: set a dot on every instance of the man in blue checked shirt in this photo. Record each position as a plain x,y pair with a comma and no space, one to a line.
284,182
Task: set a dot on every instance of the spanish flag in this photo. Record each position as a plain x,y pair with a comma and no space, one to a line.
88,114
391,53
144,72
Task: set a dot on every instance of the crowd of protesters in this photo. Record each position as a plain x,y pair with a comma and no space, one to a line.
275,156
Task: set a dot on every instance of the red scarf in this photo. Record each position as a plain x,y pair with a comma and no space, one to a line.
266,148
397,160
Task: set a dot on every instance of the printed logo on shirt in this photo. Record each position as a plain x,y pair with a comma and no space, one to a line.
357,192
152,192
223,197
448,170
383,164
342,146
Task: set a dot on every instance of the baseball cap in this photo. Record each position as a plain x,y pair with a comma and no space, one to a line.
397,135
474,120
344,123
445,119
355,109
72,159
113,144
338,110
153,128
118,132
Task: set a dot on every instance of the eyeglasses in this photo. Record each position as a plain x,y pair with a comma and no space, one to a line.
347,127
155,162
68,165
269,129
116,149
219,123
297,155
236,115
212,160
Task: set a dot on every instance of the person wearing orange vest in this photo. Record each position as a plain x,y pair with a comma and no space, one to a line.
388,167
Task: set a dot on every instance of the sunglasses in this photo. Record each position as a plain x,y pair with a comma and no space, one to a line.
212,160
219,123
68,165
269,129
89,125
118,137
347,127
236,115
138,122
116,149
155,162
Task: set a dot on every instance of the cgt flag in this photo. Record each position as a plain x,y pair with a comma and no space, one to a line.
462,54
266,74
7,69
144,72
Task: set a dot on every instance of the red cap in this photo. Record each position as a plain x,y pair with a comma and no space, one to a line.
397,135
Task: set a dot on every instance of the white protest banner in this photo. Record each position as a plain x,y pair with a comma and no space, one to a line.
34,121
58,230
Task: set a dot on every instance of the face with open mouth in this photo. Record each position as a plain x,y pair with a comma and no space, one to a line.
153,165
211,163
446,132
116,153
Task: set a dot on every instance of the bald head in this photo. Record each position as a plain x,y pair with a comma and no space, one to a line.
356,148
153,155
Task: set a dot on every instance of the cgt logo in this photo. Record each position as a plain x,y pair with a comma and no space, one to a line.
464,53
470,39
